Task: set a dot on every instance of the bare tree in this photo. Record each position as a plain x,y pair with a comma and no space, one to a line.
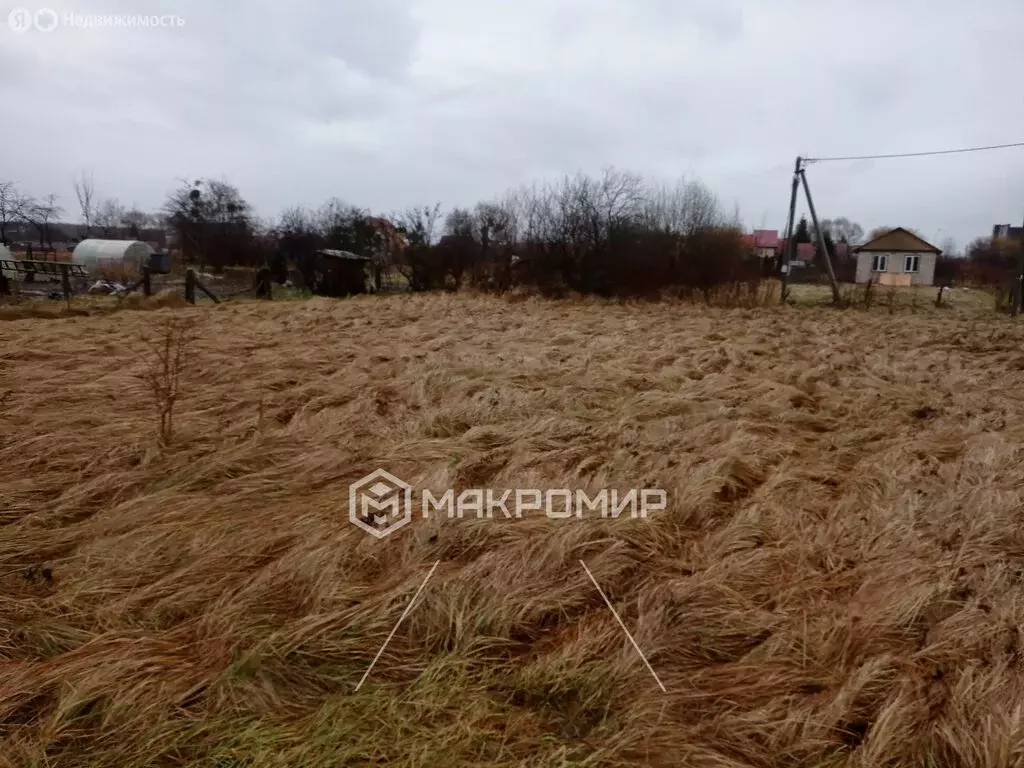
843,230
85,191
40,214
136,220
12,207
459,223
950,249
109,216
213,223
494,227
418,264
684,209
420,224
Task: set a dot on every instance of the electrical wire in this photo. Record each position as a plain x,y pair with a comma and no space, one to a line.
913,154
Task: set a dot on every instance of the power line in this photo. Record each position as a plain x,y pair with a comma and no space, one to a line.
914,154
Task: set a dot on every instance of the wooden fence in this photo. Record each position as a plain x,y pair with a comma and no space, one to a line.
27,270
262,289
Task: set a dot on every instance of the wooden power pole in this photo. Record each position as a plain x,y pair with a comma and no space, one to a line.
787,253
800,176
821,240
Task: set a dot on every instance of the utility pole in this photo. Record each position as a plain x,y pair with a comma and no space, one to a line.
821,239
1018,288
800,175
787,252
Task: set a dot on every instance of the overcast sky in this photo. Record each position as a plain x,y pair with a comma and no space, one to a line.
390,103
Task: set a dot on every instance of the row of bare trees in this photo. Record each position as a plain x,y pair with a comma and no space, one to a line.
103,217
18,208
107,216
612,235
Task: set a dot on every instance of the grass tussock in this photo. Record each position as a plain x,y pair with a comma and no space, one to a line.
838,578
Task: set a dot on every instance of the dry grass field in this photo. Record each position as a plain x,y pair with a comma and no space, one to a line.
838,578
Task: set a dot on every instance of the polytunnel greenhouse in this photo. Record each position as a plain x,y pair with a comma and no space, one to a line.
5,253
105,254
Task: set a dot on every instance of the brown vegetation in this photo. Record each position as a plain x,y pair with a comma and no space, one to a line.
85,306
615,235
838,579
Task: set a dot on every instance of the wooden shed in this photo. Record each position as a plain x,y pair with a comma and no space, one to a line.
339,273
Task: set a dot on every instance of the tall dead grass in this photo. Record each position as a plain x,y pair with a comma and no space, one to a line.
85,306
838,579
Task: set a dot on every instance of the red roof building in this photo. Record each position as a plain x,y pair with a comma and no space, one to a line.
767,238
805,252
764,242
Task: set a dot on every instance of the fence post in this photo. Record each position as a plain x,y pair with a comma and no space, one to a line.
65,281
210,294
264,283
1018,287
190,286
147,287
1018,284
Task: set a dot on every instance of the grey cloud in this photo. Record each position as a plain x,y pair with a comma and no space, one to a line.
395,102
717,21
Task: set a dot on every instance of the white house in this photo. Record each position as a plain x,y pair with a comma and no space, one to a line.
898,257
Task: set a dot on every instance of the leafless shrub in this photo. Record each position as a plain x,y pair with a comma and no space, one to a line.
169,346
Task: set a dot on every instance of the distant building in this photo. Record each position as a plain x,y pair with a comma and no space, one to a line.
802,256
155,238
1007,231
65,236
898,257
339,273
767,243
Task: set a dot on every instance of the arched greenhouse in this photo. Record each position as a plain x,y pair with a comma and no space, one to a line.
5,253
105,254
